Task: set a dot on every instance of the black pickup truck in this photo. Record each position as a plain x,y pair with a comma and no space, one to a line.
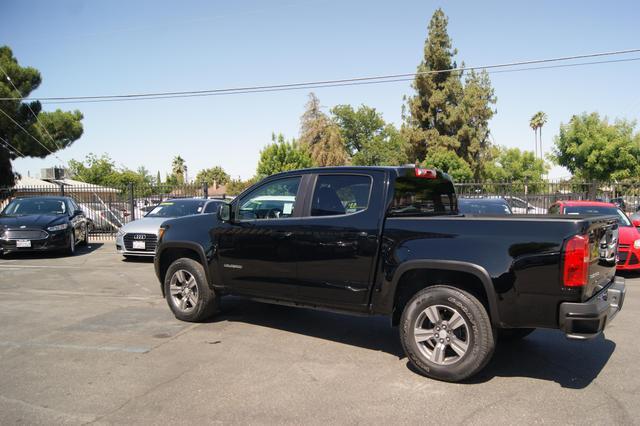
390,241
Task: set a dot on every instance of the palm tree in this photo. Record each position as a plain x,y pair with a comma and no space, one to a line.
179,168
533,123
542,120
538,120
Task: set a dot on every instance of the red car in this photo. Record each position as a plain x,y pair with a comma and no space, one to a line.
628,235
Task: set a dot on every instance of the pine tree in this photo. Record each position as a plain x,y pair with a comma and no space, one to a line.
321,137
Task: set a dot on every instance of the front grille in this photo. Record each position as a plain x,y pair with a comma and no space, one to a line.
633,259
150,242
623,246
26,234
622,256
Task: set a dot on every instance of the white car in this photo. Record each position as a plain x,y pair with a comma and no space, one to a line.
140,237
520,206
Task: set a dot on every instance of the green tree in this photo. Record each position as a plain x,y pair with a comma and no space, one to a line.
592,148
236,186
158,178
321,137
179,169
388,148
101,170
282,156
514,165
476,111
434,117
449,162
368,139
55,130
444,112
213,174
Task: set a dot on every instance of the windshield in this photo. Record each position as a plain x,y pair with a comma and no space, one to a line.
176,208
599,210
482,207
28,206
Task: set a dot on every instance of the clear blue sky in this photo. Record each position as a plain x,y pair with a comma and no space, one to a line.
88,48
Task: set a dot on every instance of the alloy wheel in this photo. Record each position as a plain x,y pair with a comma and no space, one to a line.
184,290
442,334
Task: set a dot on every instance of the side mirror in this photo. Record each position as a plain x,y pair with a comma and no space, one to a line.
224,212
636,223
78,212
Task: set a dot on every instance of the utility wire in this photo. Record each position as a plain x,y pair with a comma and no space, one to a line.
327,82
320,86
7,145
30,109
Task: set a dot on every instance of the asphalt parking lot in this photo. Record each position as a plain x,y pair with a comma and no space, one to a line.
89,339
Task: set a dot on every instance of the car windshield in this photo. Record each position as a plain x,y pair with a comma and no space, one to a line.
482,207
599,210
176,208
28,206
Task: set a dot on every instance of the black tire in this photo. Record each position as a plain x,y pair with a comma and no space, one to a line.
476,333
207,302
71,249
510,334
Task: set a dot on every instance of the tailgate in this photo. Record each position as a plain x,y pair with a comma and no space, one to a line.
603,249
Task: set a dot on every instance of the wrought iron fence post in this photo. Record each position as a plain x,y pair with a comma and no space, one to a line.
131,201
205,190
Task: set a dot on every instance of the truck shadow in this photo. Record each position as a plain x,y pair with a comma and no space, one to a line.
549,355
544,355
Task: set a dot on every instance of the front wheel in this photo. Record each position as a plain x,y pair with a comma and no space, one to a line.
187,291
71,249
446,333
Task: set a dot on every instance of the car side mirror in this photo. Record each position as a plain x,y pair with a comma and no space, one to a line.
78,212
636,223
224,212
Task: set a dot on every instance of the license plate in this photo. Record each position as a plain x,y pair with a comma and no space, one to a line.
139,245
23,243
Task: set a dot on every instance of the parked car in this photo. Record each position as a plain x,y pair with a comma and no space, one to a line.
483,206
139,237
42,224
520,206
390,241
629,236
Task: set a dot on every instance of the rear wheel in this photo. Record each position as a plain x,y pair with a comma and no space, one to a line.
446,333
187,291
85,238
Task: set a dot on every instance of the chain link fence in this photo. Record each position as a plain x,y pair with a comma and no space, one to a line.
109,208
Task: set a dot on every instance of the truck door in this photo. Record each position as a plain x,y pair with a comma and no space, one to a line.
337,242
255,251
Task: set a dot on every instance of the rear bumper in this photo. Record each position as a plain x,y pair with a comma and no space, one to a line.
588,319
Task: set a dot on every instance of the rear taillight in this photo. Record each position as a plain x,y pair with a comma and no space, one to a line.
426,173
576,261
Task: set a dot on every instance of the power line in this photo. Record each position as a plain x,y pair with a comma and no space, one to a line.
7,145
273,87
320,86
30,109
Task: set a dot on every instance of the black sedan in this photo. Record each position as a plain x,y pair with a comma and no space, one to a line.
42,223
483,206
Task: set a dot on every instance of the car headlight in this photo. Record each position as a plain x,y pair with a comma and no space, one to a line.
58,227
636,244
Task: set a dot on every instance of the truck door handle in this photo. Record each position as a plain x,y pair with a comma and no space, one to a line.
364,234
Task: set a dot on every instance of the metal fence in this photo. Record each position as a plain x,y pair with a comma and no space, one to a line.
109,208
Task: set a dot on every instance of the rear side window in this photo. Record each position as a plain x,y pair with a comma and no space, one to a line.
416,196
340,194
